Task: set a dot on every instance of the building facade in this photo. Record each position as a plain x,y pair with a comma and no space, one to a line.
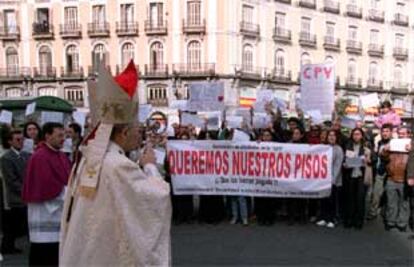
51,47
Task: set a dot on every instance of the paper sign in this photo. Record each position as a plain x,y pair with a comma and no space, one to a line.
261,120
28,145
67,146
354,162
399,145
317,83
30,109
398,104
263,97
144,112
348,122
170,131
80,118
240,136
193,119
280,104
6,117
213,120
179,104
243,112
206,96
316,116
160,156
51,116
234,121
369,101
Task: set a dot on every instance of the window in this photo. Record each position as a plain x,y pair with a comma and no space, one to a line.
47,91
247,14
127,13
45,60
400,7
194,12
374,36
157,93
329,59
280,62
305,59
127,51
352,33
375,4
399,40
330,30
194,55
12,61
72,59
352,71
398,75
74,95
373,73
14,92
247,58
43,16
156,14
306,25
10,21
156,56
280,20
98,14
98,55
71,16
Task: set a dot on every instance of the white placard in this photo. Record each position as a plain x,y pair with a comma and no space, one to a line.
80,118
398,104
263,97
280,104
193,119
213,120
30,109
234,121
369,101
28,145
261,120
144,112
67,146
6,117
316,116
206,96
160,156
399,144
318,88
179,104
51,116
240,136
348,122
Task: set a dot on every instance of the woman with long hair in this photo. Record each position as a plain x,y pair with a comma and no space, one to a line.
32,135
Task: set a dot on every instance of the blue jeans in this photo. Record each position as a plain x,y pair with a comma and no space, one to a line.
239,203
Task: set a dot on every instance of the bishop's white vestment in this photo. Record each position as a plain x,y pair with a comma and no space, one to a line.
127,223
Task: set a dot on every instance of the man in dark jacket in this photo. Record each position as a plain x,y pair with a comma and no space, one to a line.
410,181
13,165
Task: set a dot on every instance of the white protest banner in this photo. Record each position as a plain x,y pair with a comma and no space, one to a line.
192,119
263,97
144,112
30,109
369,101
206,96
234,121
179,104
399,144
318,88
250,169
51,116
6,117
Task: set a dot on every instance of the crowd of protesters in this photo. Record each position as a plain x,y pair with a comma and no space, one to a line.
35,164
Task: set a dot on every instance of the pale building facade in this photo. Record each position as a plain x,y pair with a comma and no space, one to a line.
51,47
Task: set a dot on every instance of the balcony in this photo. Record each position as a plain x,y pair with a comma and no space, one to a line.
376,50
376,15
93,70
156,71
400,53
194,27
281,35
307,39
14,74
332,44
127,28
400,20
98,29
156,27
307,4
331,6
11,33
71,73
119,68
70,30
160,102
281,75
399,87
354,11
42,31
284,1
250,72
45,73
354,47
195,70
352,82
374,84
250,29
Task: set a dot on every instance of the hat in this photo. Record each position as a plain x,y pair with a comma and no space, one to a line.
113,101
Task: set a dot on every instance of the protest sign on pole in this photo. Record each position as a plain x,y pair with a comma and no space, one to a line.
318,88
6,117
192,119
51,116
206,96
369,101
263,97
30,109
250,169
